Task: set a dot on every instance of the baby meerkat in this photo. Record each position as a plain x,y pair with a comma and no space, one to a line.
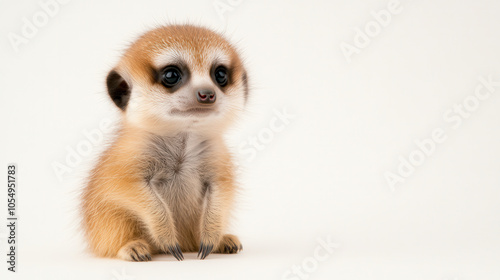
166,183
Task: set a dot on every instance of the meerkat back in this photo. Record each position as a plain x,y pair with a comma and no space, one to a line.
166,184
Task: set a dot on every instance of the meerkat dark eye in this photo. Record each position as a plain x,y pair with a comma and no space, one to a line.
171,76
221,75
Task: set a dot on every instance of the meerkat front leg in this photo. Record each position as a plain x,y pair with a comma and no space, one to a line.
161,227
214,215
212,219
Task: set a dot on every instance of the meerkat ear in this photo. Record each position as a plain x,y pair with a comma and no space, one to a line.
118,89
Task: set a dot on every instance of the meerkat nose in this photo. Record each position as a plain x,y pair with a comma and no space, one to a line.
206,96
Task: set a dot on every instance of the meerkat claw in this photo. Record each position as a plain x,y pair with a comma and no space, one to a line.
176,252
205,250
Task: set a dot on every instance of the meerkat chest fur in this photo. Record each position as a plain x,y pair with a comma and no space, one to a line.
177,171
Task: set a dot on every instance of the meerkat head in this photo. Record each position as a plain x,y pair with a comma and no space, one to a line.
179,77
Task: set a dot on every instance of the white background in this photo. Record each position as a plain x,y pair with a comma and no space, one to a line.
321,175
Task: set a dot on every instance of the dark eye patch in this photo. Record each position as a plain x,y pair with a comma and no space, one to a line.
172,76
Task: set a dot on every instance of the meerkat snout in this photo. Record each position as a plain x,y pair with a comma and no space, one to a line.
166,184
206,96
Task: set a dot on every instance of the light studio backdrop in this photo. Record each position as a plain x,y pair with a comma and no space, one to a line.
370,147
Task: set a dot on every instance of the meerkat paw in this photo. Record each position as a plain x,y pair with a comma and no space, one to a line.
137,251
230,244
207,245
175,250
